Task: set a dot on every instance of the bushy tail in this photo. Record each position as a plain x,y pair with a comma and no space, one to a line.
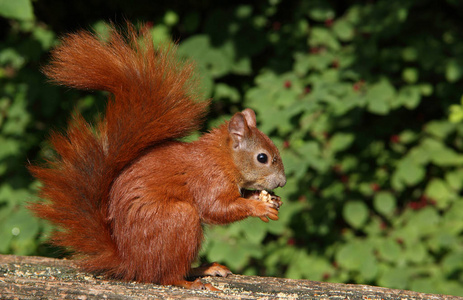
153,100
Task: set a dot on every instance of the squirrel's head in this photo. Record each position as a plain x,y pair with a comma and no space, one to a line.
258,160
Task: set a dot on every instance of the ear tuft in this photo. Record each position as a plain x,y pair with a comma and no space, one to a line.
238,129
250,117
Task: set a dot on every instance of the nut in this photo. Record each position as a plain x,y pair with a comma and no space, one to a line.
265,196
270,198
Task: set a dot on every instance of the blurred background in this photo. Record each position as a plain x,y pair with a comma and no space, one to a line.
362,97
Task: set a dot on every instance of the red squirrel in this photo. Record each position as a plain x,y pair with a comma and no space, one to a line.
128,198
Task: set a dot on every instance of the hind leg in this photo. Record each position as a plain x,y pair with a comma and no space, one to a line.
158,241
188,233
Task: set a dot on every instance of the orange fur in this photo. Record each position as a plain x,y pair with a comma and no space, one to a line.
127,197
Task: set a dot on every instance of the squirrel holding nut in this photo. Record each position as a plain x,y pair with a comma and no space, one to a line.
127,197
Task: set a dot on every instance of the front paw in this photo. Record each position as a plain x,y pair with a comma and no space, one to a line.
276,200
213,269
271,198
265,211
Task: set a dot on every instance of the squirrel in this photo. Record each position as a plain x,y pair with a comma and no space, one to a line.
127,196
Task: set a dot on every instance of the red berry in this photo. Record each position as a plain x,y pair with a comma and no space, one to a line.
291,241
329,22
337,168
307,90
287,84
286,144
314,50
375,187
395,139
417,205
358,85
344,178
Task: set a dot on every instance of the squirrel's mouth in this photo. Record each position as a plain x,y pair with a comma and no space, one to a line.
249,193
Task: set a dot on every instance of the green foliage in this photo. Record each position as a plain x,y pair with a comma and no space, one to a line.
361,98
18,9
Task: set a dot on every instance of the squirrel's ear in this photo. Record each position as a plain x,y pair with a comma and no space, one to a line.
250,117
238,129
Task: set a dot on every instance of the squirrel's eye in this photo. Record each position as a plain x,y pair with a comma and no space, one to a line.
262,158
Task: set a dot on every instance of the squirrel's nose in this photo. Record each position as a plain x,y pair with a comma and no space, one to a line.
282,181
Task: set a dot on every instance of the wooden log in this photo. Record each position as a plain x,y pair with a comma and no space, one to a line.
23,277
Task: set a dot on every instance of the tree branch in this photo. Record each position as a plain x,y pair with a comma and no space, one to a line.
24,277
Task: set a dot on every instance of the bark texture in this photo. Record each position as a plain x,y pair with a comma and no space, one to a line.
46,278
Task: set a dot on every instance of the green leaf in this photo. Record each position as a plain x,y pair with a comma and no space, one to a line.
216,62
407,136
379,97
425,285
303,265
440,128
410,75
452,262
456,113
19,232
409,96
255,230
426,89
341,141
161,34
17,9
320,36
309,149
47,38
357,256
320,11
355,213
455,179
394,277
218,250
416,252
410,54
439,191
384,203
224,91
242,66
294,165
440,154
454,70
302,63
409,172
423,222
453,219
243,11
170,18
12,57
344,30
389,250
